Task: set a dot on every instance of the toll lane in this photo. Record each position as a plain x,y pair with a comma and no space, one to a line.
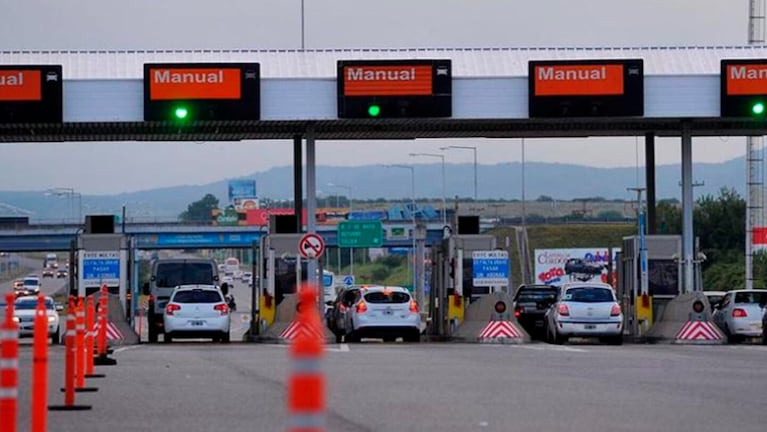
398,387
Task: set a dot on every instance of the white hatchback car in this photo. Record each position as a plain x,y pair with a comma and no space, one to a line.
585,309
197,311
383,312
739,314
24,315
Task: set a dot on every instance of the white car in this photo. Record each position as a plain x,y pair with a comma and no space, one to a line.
739,314
383,312
197,311
237,274
229,280
585,309
247,277
32,284
24,315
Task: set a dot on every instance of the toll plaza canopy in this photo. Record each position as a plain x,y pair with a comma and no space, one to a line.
105,97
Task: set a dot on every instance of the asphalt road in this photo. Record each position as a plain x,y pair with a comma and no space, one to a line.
424,387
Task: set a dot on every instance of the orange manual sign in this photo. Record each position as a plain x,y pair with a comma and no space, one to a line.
195,83
20,85
746,79
399,80
577,80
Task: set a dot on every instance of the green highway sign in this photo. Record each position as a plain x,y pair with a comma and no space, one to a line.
360,234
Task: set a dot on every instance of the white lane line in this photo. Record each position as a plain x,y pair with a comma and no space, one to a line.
341,348
550,348
126,348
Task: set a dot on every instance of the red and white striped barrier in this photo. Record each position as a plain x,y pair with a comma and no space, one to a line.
500,330
113,333
699,331
295,328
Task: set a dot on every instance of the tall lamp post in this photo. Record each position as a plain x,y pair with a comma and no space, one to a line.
444,200
351,250
412,213
71,193
474,149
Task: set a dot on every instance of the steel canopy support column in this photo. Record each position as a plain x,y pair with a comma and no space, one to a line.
298,181
311,206
687,208
649,157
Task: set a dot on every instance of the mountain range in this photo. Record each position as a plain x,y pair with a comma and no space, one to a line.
498,181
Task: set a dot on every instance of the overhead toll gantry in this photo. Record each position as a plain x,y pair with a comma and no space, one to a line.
390,94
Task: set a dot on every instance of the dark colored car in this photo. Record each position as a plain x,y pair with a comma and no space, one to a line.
61,273
530,304
49,272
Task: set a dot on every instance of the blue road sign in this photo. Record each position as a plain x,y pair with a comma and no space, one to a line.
101,267
490,268
349,280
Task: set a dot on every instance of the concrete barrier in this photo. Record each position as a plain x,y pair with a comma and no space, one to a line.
117,317
681,324
482,323
284,318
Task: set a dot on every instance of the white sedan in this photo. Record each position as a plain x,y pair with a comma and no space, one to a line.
24,315
585,309
739,314
383,312
197,311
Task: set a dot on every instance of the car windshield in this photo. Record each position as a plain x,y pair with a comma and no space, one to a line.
197,296
536,294
588,295
173,274
751,297
387,297
31,304
33,282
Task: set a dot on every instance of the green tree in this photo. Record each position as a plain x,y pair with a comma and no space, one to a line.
668,218
200,211
720,224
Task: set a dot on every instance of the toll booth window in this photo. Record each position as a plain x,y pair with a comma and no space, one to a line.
394,297
197,296
751,298
589,295
663,277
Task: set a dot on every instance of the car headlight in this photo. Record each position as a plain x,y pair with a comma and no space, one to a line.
15,319
51,318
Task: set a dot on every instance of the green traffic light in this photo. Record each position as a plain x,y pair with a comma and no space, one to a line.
181,113
757,108
374,110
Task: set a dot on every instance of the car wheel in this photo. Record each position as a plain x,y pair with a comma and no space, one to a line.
559,339
352,337
225,338
152,334
764,337
339,337
56,338
167,338
413,337
615,340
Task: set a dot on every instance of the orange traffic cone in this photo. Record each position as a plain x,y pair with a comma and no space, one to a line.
69,365
9,368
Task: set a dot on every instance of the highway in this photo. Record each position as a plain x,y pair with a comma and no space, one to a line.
424,387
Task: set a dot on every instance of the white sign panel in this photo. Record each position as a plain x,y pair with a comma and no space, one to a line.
490,268
99,267
550,263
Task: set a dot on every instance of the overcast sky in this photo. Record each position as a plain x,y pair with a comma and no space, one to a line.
228,24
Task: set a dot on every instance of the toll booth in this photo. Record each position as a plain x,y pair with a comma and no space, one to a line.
664,279
452,289
280,273
102,259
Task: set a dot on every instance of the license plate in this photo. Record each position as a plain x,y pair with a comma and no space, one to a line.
197,322
590,326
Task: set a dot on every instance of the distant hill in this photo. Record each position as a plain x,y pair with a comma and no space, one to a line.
499,181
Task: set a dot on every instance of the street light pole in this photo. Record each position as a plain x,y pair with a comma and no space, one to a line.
71,193
351,250
474,149
444,195
412,214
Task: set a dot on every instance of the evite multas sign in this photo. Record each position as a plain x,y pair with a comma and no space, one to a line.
202,91
586,88
743,88
31,94
394,88
550,263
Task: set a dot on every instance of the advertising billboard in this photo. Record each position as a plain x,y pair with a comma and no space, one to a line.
551,264
241,189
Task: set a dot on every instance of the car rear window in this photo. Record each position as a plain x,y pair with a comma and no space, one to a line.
387,297
536,295
197,296
752,297
589,295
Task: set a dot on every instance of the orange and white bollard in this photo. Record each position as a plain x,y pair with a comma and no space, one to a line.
90,338
9,369
69,365
102,358
40,368
306,385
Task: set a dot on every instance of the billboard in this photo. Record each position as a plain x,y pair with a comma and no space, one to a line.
550,263
241,189
586,88
394,88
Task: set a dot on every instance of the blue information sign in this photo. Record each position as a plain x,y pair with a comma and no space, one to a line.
490,268
102,267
